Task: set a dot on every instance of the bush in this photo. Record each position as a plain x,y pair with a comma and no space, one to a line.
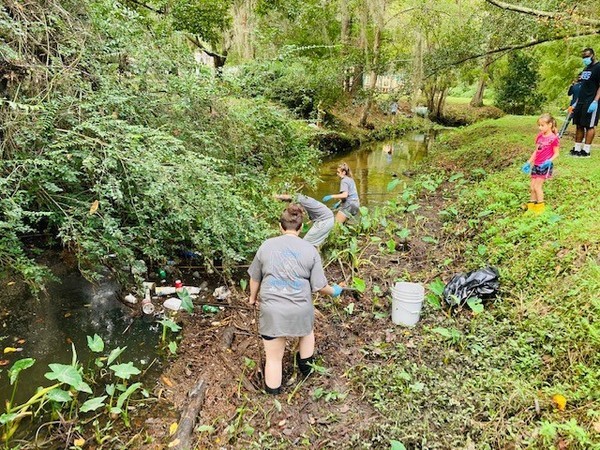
298,84
136,155
517,87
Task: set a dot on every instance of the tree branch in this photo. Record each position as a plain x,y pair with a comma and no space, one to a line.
513,47
547,14
143,5
194,40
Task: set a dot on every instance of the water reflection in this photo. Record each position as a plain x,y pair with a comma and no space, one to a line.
374,166
72,310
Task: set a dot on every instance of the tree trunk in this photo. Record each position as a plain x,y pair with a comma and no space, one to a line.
417,72
373,80
477,100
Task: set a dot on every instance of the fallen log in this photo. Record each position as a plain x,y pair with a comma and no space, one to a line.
182,440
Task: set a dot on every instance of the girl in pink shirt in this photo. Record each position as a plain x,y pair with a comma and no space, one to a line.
540,163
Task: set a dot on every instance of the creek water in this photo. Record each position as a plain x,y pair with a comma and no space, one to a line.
374,166
72,309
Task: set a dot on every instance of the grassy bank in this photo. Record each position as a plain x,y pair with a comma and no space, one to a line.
496,379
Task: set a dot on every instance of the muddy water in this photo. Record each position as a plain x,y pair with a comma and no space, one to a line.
44,328
373,166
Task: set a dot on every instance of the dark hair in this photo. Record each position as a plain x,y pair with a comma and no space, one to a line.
291,217
588,49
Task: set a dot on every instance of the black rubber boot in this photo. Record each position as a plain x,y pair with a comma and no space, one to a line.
304,364
272,391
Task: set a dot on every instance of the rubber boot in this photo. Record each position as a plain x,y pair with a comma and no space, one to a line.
539,208
272,391
304,364
527,206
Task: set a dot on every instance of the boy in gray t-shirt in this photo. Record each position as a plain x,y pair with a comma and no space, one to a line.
286,270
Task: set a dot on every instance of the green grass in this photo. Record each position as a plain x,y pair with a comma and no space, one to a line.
492,384
466,100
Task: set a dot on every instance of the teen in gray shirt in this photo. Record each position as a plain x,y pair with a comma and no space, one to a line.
287,270
348,195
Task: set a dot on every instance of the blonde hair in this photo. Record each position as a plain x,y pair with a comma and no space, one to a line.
346,168
547,118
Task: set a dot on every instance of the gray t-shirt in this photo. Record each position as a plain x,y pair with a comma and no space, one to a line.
315,209
289,270
348,185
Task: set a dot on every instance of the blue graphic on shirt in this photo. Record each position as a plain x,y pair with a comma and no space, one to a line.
286,276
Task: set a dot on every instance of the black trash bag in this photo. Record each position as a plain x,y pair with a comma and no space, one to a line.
482,283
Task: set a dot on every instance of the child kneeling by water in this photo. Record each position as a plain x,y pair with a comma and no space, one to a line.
540,164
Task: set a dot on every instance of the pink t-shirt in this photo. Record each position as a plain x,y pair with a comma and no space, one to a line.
545,147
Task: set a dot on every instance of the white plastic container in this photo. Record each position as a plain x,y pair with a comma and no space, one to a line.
172,303
407,301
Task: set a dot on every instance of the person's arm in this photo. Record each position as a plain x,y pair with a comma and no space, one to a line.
283,197
556,152
254,288
341,195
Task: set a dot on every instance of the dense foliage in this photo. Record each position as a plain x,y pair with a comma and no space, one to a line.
517,91
121,150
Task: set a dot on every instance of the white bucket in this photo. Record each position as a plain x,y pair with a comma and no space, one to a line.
407,301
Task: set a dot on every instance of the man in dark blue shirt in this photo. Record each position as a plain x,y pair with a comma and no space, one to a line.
585,115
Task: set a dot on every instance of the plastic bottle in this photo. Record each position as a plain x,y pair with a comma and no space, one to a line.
210,309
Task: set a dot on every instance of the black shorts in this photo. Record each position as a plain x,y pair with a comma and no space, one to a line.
583,118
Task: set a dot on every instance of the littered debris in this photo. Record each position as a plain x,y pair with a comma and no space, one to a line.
222,293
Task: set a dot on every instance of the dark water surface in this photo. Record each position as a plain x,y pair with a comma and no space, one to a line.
73,309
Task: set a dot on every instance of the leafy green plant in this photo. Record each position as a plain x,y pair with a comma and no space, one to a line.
434,297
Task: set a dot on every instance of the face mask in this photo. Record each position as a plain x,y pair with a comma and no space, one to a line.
587,61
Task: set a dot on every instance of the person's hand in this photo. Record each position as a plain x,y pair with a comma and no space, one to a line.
253,301
546,164
327,198
593,106
526,167
337,290
336,205
570,109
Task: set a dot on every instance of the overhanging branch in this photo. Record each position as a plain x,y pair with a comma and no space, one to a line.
513,47
540,13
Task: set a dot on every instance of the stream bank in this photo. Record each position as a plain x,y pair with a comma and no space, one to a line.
458,379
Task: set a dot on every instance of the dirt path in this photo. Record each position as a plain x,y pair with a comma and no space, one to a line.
326,409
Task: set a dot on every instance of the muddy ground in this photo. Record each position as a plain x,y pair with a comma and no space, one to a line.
224,351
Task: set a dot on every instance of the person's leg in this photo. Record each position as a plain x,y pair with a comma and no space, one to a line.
305,355
579,133
539,192
340,217
589,135
533,195
274,350
306,346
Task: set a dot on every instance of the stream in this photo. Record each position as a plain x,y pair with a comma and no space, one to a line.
373,166
74,308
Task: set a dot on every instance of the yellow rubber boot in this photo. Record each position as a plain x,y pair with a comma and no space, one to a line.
527,206
539,208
